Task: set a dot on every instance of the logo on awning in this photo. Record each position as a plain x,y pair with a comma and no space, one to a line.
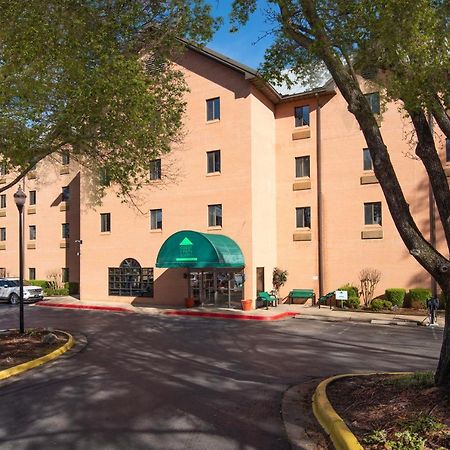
186,251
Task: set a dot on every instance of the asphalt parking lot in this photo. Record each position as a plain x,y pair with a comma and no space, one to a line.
155,382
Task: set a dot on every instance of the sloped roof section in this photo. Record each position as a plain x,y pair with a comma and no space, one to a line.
255,78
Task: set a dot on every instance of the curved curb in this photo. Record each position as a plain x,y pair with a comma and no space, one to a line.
230,316
331,422
39,361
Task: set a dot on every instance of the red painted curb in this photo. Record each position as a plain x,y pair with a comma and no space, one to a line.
74,306
230,316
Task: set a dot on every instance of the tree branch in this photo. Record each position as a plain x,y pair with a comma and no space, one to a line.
441,116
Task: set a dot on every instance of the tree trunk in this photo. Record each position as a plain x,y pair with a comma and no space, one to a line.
442,376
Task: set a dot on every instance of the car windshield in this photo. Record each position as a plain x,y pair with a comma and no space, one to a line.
10,283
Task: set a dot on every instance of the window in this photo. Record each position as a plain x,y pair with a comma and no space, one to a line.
130,280
156,219
259,280
367,160
3,169
104,178
65,230
65,274
32,273
32,197
372,213
105,222
374,102
155,169
447,150
302,166
303,217
301,115
65,194
213,109
214,215
2,234
65,158
3,201
32,232
213,161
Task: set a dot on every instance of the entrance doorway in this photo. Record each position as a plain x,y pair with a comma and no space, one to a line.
218,287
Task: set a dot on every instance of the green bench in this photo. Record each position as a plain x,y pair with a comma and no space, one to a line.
267,299
325,298
303,294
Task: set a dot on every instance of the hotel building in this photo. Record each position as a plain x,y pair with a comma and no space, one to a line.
261,180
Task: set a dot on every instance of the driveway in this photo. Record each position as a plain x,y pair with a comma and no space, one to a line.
154,382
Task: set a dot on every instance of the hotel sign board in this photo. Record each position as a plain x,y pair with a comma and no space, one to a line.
341,295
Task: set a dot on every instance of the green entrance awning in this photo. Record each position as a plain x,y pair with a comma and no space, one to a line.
199,250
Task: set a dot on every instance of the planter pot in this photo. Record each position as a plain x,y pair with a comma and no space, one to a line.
246,305
189,302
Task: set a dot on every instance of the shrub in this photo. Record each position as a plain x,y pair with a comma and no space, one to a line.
351,290
50,289
396,296
352,302
418,297
41,283
74,288
379,304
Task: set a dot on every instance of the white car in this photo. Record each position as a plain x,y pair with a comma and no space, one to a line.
9,290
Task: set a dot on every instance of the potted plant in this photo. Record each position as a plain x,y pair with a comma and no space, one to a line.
279,278
247,304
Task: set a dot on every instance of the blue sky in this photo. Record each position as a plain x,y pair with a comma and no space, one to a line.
244,45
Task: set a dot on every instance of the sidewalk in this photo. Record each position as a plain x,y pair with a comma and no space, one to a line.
280,312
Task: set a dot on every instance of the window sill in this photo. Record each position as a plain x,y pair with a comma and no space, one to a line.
213,174
3,212
301,184
156,230
64,243
63,206
2,246
31,175
212,121
105,233
31,245
31,210
301,133
64,170
2,180
217,227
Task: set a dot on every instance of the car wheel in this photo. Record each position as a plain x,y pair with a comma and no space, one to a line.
14,299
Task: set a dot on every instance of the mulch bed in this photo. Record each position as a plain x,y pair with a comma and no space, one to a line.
387,405
16,348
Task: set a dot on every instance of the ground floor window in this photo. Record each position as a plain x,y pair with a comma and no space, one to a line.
130,279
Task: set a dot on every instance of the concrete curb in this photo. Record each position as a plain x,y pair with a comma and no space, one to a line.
92,307
331,422
7,373
214,315
398,322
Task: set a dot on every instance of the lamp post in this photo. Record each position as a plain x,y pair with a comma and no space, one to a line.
19,198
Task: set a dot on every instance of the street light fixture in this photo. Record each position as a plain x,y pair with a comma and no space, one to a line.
20,198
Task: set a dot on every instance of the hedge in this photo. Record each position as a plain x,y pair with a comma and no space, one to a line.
379,304
352,290
352,302
396,296
418,297
49,289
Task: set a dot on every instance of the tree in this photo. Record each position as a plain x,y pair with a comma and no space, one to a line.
409,56
93,78
368,279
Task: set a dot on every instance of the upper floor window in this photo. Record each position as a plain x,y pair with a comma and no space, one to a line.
214,215
302,166
65,230
303,217
213,109
372,213
213,161
301,115
155,169
65,194
65,158
3,169
447,150
367,160
105,222
2,234
156,219
32,232
32,197
3,201
32,273
65,274
374,102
